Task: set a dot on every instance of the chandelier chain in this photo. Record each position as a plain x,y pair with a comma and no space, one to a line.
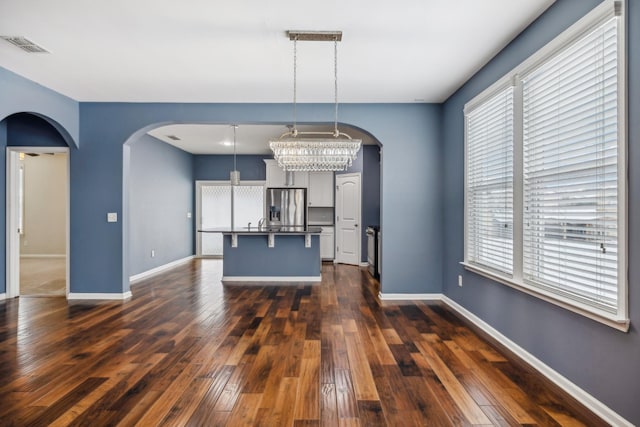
335,75
295,85
234,147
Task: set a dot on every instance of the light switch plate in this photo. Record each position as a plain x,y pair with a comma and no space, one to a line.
189,215
112,217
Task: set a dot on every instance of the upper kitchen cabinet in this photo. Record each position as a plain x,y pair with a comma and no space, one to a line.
320,189
276,176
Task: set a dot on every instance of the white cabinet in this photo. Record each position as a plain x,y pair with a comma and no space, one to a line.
276,177
327,245
320,189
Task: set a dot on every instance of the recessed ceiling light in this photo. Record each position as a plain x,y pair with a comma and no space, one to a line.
227,143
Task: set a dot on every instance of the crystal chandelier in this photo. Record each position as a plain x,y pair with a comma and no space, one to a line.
315,151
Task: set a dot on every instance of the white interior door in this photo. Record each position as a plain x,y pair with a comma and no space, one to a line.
348,194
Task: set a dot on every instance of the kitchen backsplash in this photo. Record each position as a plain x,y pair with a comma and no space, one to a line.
321,216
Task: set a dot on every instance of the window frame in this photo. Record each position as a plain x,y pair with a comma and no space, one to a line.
600,14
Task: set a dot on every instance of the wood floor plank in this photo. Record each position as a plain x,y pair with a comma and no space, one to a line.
244,414
363,382
469,407
307,404
186,350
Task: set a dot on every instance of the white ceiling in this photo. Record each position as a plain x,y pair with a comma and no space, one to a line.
250,139
237,51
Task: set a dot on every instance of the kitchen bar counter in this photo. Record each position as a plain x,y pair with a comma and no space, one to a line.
265,230
270,254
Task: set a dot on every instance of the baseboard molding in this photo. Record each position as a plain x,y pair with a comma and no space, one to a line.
98,296
408,297
145,274
274,279
599,408
43,256
364,264
3,297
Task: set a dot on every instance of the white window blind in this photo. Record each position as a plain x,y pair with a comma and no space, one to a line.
570,175
489,186
224,206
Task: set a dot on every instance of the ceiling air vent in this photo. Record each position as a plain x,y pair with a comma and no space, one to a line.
175,138
25,44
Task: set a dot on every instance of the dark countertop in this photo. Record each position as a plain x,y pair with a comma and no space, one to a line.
264,230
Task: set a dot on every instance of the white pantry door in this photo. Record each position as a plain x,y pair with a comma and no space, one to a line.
348,218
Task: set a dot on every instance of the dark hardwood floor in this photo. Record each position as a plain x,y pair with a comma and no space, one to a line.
187,351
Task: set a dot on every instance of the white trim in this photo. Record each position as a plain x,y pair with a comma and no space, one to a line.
364,264
43,256
409,297
141,276
98,296
3,296
278,279
599,408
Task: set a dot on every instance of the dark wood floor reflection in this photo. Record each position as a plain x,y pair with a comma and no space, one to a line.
187,351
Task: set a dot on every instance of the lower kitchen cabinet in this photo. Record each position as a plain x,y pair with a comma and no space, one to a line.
327,243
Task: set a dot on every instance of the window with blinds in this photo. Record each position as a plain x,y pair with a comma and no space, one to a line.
570,157
545,176
489,179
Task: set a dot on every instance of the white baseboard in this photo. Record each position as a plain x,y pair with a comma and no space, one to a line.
408,297
364,264
3,296
98,296
141,276
271,279
599,408
43,256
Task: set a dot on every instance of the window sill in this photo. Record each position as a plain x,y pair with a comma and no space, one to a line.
619,324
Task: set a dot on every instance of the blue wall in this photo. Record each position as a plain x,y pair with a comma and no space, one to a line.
20,95
370,191
160,195
401,128
217,168
599,359
27,130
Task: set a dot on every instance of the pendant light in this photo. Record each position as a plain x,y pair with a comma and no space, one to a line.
234,176
325,151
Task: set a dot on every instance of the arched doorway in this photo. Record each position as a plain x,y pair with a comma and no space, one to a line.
37,209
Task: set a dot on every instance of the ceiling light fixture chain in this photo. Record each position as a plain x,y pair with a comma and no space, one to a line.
234,175
295,86
335,75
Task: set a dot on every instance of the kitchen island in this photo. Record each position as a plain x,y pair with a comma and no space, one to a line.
270,254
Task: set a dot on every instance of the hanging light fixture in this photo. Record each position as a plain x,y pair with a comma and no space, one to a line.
315,151
234,176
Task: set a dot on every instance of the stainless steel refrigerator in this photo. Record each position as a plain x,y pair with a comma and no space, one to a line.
286,207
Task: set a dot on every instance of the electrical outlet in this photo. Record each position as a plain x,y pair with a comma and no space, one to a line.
460,280
153,253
